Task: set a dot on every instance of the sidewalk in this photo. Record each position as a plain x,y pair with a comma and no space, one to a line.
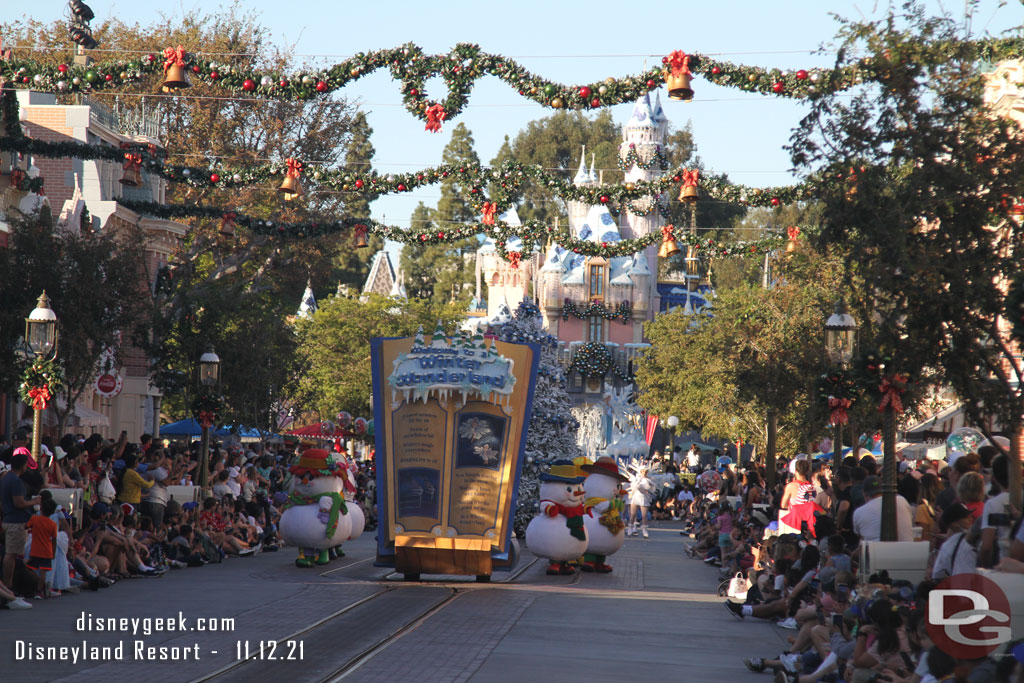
657,615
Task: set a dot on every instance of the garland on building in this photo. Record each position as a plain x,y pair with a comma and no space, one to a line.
460,70
40,383
623,311
593,359
632,158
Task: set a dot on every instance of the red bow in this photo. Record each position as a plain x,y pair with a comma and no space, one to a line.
132,161
17,175
435,115
667,230
361,231
206,418
174,56
679,62
489,208
513,258
227,220
793,232
294,167
690,178
838,407
39,396
891,388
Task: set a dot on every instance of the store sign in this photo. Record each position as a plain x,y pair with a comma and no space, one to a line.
108,385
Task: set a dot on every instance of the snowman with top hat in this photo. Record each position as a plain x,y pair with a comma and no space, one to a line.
606,530
558,533
316,514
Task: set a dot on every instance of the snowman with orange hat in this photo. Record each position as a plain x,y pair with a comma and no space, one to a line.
606,531
558,532
316,514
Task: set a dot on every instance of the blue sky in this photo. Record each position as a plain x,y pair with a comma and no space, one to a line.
736,133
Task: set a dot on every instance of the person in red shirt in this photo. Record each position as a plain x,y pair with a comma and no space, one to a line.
44,542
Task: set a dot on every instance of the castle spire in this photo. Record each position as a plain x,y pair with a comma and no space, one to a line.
581,175
593,174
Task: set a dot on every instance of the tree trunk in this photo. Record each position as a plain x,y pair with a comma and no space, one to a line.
773,424
837,448
1016,452
889,526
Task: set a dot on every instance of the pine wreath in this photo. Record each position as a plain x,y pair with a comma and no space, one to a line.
40,382
208,408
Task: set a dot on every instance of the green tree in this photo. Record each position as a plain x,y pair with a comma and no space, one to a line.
93,284
333,347
913,173
351,263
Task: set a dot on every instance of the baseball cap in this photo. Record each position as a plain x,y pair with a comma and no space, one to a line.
954,513
190,505
872,486
759,517
100,508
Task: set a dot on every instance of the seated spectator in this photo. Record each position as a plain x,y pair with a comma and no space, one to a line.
957,555
971,492
867,519
221,490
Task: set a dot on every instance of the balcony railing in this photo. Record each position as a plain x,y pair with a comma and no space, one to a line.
125,120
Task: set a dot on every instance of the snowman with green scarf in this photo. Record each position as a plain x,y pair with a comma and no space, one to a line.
316,516
558,532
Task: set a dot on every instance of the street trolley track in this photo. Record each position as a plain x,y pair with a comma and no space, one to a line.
338,644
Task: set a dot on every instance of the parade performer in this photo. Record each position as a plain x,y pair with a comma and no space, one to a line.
606,532
641,490
316,515
558,532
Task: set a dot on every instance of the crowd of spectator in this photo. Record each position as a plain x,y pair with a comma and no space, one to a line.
129,524
790,555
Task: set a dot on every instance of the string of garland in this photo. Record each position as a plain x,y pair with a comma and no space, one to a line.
633,158
593,359
460,69
596,309
40,383
532,233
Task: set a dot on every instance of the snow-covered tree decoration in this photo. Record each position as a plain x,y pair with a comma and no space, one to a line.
552,430
590,436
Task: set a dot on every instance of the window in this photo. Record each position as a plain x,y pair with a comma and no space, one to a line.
595,329
596,281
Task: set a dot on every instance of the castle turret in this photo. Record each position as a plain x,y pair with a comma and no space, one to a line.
578,210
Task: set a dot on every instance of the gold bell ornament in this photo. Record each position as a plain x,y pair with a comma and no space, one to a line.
669,246
175,74
227,225
361,231
678,75
130,173
290,186
688,192
793,243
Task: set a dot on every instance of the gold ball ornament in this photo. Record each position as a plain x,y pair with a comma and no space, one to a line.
752,77
557,103
630,186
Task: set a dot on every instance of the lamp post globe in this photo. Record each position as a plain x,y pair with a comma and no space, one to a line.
41,329
209,368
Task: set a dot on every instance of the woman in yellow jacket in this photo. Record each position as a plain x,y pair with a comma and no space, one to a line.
132,483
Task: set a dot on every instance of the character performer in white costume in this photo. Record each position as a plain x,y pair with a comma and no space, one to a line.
641,490
606,532
558,532
316,516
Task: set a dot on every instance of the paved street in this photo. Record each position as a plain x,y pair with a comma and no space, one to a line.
656,616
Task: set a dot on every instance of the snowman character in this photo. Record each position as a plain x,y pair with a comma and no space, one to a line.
355,512
641,490
316,515
606,532
558,532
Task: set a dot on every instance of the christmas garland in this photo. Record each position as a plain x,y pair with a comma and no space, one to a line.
460,70
632,158
595,360
1015,308
208,407
596,309
40,383
837,389
883,382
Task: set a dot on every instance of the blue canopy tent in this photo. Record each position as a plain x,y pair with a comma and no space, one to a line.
187,427
191,427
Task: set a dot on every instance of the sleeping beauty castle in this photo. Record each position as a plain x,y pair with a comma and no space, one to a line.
589,301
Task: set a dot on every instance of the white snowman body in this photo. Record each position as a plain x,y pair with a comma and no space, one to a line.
355,510
601,541
302,526
549,536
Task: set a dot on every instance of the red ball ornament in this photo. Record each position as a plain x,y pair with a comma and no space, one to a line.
248,84
801,75
423,238
595,102
63,68
776,201
651,83
778,87
283,83
584,92
24,79
440,235
151,57
715,70
414,92
604,199
321,86
214,178
214,75
664,60
401,187
359,184
195,69
108,77
419,176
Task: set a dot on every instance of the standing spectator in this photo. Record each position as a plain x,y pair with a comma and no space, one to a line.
971,492
996,517
44,544
693,458
155,501
867,519
132,482
957,469
957,555
15,507
924,516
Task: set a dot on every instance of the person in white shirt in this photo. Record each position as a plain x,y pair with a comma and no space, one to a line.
867,519
232,482
693,458
956,555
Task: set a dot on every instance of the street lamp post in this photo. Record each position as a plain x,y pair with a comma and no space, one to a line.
840,340
209,379
41,340
673,422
